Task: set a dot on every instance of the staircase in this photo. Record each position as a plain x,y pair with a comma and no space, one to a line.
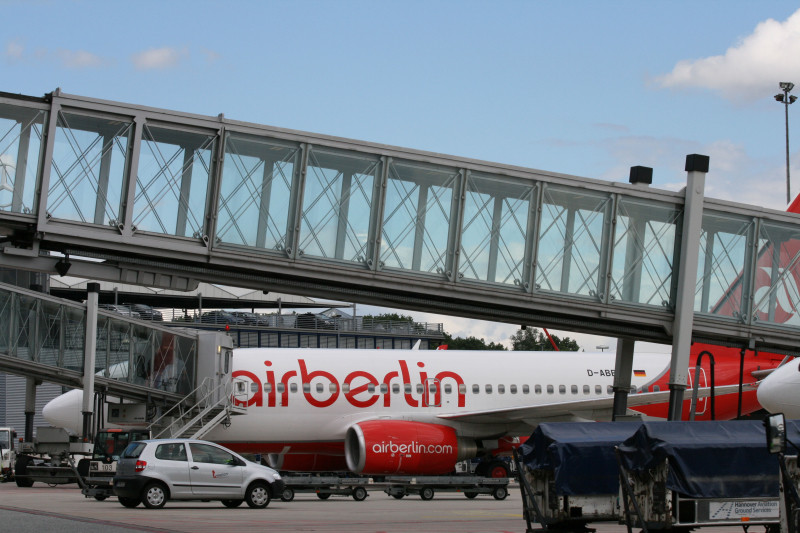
204,415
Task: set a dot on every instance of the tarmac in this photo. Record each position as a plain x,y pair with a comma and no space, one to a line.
63,509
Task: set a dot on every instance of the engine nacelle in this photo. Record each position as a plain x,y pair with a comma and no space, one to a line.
404,447
307,462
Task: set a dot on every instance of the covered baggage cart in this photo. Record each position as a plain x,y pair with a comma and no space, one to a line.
694,474
569,473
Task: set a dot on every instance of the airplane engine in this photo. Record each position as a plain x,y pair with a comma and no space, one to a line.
404,447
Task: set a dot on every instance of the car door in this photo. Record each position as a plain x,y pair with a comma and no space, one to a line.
215,472
173,464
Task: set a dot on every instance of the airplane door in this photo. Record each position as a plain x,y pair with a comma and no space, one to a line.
432,393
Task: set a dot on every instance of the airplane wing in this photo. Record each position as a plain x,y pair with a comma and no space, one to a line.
593,409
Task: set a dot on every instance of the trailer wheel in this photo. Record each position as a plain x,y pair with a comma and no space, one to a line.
232,504
497,469
323,495
398,496
100,497
359,494
426,493
471,495
130,503
21,471
287,495
500,493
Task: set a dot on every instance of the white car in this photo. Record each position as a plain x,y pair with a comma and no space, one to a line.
154,471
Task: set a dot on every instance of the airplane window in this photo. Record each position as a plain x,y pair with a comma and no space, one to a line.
448,389
384,388
587,389
513,389
550,389
345,388
281,388
656,388
293,387
254,387
395,388
610,389
598,389
371,387
320,387
501,389
488,389
476,389
562,389
267,387
527,390
537,389
432,388
407,388
574,389
462,389
420,388
306,387
332,387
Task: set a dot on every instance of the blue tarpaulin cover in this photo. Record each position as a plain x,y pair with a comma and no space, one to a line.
580,454
706,459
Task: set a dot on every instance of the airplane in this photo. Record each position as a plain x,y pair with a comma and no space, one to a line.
382,412
779,392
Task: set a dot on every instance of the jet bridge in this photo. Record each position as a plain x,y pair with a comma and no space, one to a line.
141,363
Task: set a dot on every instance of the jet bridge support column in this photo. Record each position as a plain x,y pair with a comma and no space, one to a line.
89,356
622,376
697,167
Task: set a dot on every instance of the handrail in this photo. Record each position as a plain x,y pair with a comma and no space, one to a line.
178,404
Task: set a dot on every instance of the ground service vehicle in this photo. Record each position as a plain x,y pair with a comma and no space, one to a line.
154,471
56,458
7,454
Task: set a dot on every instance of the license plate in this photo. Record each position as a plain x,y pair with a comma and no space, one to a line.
97,466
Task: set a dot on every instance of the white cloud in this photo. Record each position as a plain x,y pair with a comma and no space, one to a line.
158,58
748,70
14,50
79,59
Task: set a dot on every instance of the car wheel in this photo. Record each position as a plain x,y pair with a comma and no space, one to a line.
154,496
500,493
232,503
257,495
128,502
426,493
359,494
287,495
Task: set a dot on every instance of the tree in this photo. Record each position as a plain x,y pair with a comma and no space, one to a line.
470,343
531,339
389,317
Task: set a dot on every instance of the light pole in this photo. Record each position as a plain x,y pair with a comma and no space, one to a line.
786,87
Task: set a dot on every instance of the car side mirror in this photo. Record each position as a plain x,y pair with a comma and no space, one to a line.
775,426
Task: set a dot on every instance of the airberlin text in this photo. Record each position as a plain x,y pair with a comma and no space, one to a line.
411,447
359,387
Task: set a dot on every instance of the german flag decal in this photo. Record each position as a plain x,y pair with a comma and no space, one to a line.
640,373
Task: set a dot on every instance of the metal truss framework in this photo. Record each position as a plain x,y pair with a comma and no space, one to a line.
168,199
45,338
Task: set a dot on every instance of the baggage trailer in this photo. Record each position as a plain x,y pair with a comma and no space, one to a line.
398,487
569,475
427,486
679,475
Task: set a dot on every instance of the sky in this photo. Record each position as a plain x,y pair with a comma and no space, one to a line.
583,87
